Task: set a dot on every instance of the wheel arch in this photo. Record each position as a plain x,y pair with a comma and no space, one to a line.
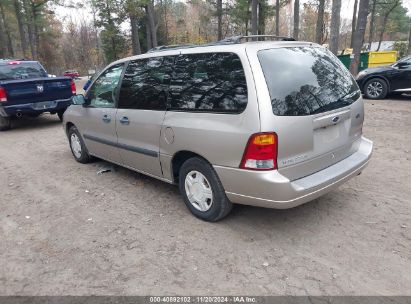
69,124
178,159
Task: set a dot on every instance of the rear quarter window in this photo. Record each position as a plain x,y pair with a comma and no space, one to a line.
306,80
211,82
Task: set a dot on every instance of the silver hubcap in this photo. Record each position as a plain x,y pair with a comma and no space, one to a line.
374,89
198,191
75,145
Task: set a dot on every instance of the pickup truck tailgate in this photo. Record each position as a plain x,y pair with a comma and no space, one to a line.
37,90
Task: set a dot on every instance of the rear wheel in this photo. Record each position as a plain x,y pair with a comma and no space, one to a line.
202,190
376,88
77,146
5,123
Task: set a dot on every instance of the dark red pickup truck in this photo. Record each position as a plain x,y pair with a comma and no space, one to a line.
26,89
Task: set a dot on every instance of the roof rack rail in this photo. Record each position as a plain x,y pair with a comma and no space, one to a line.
229,40
13,59
170,47
238,39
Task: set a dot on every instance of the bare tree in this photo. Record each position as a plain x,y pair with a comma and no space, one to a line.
254,17
409,42
296,19
319,30
7,31
277,17
3,43
20,23
152,23
372,22
335,26
359,35
354,22
135,39
219,19
261,16
394,4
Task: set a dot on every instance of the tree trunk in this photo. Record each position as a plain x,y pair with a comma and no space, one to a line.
20,23
372,21
319,30
359,35
277,17
354,23
384,23
409,42
335,26
36,28
135,40
7,32
261,17
148,35
219,19
3,49
152,22
296,19
254,18
30,30
165,21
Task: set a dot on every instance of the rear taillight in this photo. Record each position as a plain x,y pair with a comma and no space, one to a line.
73,87
261,152
3,95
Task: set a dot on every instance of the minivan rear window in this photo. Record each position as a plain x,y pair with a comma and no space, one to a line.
306,81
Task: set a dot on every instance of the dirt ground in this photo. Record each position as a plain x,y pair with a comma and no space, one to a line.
65,230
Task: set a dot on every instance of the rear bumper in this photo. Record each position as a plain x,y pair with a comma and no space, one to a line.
34,107
270,189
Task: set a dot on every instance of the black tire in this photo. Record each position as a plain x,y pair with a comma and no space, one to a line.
5,123
83,157
376,83
60,114
220,206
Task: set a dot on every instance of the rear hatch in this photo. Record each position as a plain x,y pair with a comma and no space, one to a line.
27,82
317,110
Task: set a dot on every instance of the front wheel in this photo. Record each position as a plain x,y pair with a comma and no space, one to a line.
5,123
376,89
202,190
77,146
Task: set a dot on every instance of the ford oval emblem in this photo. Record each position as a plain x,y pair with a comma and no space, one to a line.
335,119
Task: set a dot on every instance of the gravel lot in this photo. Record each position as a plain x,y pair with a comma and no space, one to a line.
64,230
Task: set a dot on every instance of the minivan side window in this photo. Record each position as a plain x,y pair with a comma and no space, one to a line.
210,82
145,84
103,92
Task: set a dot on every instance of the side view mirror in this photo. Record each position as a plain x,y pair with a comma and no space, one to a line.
402,65
78,99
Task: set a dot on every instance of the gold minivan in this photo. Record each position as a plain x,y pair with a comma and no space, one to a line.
264,123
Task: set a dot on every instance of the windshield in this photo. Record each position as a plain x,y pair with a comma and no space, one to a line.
21,70
405,59
306,81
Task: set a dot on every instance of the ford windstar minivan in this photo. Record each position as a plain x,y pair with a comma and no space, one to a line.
265,123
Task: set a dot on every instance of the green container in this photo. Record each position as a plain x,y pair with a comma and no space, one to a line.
346,60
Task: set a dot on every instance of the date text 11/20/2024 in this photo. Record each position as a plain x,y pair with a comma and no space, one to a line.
203,299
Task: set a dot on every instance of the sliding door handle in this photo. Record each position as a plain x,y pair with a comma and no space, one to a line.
124,120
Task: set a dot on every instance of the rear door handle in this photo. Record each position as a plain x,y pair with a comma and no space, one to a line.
106,118
124,120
